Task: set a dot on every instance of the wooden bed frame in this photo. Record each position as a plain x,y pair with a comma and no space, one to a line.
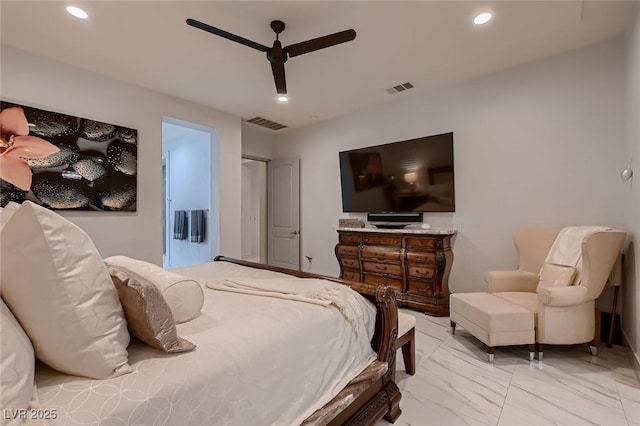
381,399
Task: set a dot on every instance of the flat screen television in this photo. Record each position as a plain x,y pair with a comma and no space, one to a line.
415,175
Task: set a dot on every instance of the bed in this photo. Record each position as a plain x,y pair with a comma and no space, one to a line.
259,360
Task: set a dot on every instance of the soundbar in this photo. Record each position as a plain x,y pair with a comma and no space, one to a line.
395,217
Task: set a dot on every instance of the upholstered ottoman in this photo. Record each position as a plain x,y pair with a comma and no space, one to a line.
493,320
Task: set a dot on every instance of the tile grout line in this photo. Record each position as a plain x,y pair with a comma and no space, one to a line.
506,395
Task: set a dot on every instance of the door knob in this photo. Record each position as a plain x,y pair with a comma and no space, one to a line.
293,232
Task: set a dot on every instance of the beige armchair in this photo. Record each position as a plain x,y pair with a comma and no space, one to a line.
563,314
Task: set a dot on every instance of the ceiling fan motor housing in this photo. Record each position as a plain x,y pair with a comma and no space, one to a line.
276,53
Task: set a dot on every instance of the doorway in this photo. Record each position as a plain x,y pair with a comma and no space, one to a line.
254,210
191,219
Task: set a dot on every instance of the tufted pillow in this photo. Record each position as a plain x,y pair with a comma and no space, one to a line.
56,285
17,363
552,275
183,295
148,315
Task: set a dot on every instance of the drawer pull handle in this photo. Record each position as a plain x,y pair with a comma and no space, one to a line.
381,268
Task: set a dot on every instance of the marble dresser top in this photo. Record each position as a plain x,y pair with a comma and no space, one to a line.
432,231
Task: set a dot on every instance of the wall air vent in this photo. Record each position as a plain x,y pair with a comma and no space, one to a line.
400,88
266,123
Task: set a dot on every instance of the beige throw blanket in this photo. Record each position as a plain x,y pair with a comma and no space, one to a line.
567,247
308,290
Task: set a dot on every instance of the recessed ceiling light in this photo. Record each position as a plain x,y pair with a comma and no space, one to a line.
283,99
77,12
482,18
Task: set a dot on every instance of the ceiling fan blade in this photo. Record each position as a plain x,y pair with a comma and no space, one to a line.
320,43
278,77
222,33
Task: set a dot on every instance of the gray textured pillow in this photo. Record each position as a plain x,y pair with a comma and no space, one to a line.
148,315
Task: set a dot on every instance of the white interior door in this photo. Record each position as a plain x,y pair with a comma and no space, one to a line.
284,217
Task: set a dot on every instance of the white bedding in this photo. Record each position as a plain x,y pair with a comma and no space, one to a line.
259,361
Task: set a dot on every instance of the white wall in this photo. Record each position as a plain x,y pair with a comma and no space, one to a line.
46,84
189,180
631,207
537,145
257,143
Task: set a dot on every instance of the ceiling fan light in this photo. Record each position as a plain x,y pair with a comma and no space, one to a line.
482,18
283,99
77,12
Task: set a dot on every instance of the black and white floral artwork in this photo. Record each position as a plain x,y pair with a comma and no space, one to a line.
93,168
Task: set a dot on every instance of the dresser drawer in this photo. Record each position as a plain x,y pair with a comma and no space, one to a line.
420,242
351,275
421,257
382,268
350,263
350,238
384,240
420,271
348,251
372,252
379,280
420,288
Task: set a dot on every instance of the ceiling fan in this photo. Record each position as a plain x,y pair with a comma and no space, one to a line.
278,55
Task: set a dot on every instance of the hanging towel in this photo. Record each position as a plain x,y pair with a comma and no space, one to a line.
198,226
180,225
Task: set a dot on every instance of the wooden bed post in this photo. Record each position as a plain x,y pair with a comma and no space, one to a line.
386,301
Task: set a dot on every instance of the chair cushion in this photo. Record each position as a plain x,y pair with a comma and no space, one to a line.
524,299
405,323
491,313
57,287
552,275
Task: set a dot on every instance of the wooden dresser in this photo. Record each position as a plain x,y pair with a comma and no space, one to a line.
416,263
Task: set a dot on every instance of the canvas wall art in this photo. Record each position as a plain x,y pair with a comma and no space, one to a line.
64,162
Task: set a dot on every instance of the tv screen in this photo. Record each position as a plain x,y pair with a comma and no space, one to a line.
413,175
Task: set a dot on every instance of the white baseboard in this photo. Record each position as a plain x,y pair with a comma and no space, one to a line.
636,357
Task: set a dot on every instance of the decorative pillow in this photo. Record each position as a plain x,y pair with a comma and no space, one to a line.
56,285
552,275
148,315
17,363
7,212
183,295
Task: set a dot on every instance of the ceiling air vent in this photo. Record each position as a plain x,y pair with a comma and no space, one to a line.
266,123
400,88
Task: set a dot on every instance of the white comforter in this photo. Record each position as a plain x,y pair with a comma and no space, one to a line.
259,361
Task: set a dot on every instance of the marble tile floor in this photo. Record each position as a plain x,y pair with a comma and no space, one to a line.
455,385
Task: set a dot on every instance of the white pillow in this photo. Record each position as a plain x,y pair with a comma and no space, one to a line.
552,275
183,295
7,212
56,285
17,363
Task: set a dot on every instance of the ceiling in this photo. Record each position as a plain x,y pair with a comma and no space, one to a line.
429,44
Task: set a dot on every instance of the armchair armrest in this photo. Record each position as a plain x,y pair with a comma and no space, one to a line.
501,281
563,295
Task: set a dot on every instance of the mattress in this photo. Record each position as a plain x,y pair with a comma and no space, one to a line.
259,361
